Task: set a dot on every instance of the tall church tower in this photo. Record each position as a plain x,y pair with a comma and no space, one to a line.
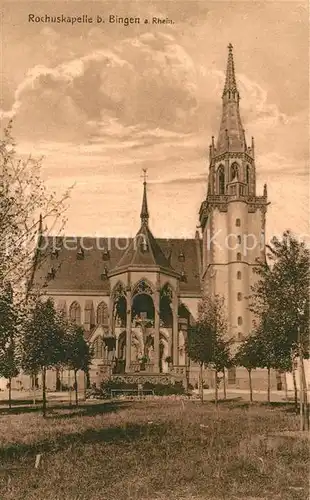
232,217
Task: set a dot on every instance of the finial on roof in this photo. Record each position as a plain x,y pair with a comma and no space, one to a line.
144,215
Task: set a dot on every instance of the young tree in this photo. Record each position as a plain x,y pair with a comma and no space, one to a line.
281,294
221,359
8,336
206,344
248,356
43,342
78,354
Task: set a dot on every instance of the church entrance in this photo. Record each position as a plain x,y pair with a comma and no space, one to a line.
142,328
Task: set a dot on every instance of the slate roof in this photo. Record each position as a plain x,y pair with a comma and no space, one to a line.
153,256
85,271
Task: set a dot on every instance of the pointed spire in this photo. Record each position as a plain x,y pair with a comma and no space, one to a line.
230,82
144,215
231,136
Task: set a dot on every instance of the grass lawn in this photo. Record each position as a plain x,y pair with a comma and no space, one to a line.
153,450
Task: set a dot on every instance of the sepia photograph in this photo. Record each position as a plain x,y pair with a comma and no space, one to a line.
154,250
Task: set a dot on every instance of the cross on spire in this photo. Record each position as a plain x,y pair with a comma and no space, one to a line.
144,175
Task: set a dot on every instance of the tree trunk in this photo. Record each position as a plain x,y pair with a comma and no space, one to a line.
58,380
33,389
304,398
215,388
44,392
285,386
10,393
69,384
201,382
85,386
250,386
268,382
295,389
76,388
224,384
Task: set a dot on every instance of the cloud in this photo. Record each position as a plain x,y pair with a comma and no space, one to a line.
147,81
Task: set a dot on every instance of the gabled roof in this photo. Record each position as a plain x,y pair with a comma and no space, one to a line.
89,262
82,275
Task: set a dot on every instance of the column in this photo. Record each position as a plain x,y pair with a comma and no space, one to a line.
116,347
111,307
175,330
156,332
128,331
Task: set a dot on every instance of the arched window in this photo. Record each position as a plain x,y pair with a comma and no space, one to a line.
238,275
239,239
98,348
75,313
221,179
239,296
240,321
247,174
240,336
102,314
238,256
234,171
238,222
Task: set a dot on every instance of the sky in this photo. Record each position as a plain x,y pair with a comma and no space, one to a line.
100,102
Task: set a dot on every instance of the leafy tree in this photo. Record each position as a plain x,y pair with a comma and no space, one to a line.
281,293
23,196
206,344
8,336
280,299
78,354
43,343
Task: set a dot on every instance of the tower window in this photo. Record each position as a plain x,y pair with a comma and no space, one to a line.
239,296
239,239
247,174
240,336
240,321
238,275
238,222
221,179
238,256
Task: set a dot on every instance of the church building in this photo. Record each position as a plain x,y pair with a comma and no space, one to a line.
137,297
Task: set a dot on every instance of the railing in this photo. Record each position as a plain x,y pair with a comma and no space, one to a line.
136,366
178,370
131,392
